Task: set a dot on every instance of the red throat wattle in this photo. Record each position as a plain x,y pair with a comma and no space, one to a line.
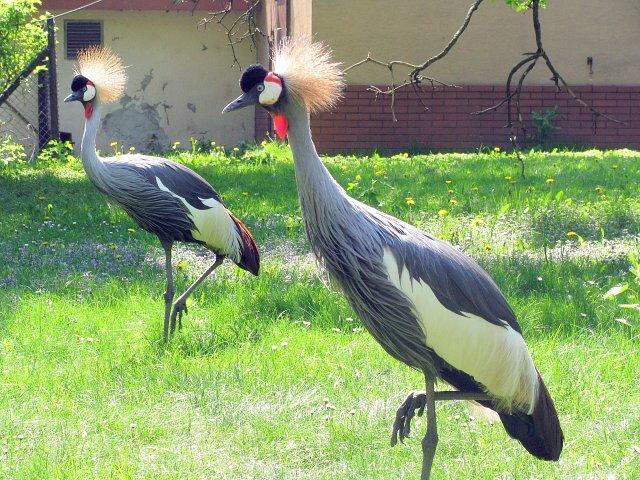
280,125
88,110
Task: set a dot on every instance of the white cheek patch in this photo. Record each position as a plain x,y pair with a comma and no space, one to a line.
89,93
270,94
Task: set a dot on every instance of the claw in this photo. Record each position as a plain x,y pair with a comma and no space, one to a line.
404,415
179,308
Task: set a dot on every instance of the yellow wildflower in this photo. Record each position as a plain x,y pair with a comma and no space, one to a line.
448,182
410,201
453,201
598,190
358,177
443,212
550,181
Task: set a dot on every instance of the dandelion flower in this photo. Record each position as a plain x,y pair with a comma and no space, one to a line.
476,222
448,182
450,191
410,201
453,201
358,177
443,212
572,234
615,166
550,181
598,190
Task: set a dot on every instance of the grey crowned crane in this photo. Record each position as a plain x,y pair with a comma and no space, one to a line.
427,304
163,197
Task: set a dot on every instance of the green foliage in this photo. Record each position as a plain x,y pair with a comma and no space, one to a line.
56,151
11,152
22,36
544,122
520,5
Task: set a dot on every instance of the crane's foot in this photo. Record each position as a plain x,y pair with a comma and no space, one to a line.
414,403
179,308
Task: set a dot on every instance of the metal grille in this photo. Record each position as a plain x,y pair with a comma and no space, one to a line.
29,105
81,34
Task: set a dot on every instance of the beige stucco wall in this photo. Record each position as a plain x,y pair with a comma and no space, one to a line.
415,30
301,18
179,81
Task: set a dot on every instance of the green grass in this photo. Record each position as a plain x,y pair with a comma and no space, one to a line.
272,377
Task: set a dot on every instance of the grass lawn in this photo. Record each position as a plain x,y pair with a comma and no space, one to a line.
273,377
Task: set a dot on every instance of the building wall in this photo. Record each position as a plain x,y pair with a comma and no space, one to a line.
179,81
414,30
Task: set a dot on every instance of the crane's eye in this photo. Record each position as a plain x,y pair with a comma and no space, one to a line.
260,88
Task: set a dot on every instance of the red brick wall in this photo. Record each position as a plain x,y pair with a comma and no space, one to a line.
361,123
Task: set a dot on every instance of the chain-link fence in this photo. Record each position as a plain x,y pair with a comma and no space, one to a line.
29,105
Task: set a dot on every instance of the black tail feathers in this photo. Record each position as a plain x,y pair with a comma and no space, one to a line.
540,433
249,255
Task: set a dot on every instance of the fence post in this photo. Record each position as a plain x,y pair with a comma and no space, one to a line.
53,80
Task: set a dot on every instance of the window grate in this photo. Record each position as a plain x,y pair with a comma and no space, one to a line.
81,34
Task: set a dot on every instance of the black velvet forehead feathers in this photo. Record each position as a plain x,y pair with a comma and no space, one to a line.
78,82
253,75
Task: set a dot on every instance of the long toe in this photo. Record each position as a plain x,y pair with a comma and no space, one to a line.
414,403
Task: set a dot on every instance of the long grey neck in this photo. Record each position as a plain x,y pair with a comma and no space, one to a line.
90,160
315,183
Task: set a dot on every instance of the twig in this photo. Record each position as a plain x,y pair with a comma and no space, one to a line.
243,27
415,78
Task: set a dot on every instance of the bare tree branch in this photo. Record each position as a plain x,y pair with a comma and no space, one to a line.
239,29
415,77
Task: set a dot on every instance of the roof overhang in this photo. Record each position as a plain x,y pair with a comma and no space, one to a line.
165,5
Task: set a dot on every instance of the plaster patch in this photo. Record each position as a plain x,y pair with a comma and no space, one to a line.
191,107
146,80
137,125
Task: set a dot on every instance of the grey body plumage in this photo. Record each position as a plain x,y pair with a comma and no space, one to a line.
348,237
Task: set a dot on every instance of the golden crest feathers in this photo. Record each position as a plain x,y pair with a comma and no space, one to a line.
105,69
310,75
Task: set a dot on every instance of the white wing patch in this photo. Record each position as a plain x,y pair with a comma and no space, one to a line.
214,225
495,356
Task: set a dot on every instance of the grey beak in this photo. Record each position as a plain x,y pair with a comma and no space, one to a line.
74,96
245,100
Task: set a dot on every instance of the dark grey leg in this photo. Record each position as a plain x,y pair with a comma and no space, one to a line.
180,305
416,403
168,294
430,440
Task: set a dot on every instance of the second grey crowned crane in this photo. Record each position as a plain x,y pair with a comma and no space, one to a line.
428,304
163,197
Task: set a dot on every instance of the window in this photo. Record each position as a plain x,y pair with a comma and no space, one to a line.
80,34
